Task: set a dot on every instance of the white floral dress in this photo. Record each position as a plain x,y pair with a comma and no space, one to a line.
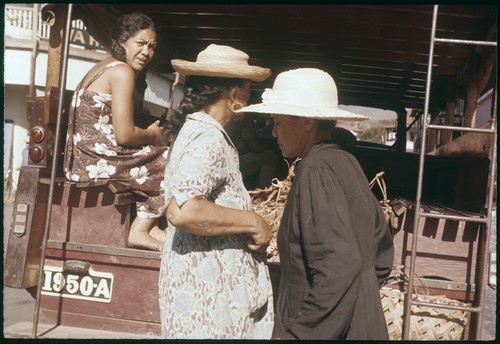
211,287
92,154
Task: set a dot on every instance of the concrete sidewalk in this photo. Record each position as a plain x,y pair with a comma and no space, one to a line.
24,330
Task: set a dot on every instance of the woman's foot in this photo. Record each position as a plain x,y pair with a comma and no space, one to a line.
144,241
158,234
139,236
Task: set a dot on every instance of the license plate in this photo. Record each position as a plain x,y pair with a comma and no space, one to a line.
90,286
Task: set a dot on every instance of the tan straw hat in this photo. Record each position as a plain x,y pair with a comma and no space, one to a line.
222,61
304,92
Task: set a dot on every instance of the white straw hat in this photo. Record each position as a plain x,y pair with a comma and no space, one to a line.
304,92
222,61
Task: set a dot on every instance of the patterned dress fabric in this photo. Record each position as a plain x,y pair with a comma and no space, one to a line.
211,287
92,154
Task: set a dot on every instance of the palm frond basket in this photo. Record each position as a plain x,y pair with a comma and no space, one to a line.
426,323
270,202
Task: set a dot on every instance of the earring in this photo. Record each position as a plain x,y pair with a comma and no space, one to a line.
233,105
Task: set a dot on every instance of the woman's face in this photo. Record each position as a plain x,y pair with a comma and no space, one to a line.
140,48
291,134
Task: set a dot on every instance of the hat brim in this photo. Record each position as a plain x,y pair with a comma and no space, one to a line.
252,73
328,113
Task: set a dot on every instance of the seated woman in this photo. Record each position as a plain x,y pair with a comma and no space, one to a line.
103,141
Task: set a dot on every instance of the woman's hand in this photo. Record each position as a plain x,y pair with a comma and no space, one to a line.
260,238
155,131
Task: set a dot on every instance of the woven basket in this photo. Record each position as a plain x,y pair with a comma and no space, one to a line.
427,323
270,203
384,203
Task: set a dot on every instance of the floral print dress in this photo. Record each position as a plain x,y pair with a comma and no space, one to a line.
92,154
211,287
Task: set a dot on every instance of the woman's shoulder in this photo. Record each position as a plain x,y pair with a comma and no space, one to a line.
120,69
200,130
112,68
204,129
113,62
322,149
108,70
324,155
107,63
207,122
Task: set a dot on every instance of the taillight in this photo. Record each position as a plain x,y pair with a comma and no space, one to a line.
36,153
37,134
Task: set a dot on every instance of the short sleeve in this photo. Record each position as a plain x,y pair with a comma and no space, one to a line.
201,167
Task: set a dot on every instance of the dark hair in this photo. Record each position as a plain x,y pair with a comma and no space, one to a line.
326,125
342,136
199,91
127,26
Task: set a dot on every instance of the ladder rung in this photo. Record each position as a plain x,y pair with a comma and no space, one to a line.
442,305
463,41
455,218
453,128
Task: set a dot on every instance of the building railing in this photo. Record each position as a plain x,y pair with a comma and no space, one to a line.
19,23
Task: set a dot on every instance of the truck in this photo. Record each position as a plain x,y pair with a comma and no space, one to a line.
434,66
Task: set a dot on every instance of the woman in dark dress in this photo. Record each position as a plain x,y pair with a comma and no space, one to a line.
335,247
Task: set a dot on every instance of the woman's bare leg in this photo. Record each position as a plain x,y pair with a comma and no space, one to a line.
158,233
139,236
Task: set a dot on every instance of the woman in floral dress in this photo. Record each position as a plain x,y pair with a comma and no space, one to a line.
214,282
103,141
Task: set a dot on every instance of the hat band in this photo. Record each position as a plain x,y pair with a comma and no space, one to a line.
270,97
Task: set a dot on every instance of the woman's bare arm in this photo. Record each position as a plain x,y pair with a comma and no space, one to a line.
122,82
201,217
